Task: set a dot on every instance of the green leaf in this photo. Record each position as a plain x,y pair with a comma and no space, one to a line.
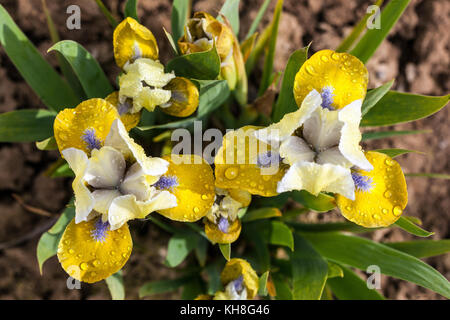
213,275
334,270
225,248
180,245
212,94
369,43
91,76
181,11
115,286
262,291
410,227
62,171
309,271
280,234
282,288
374,95
258,240
348,42
192,289
321,203
387,134
398,107
361,253
48,243
352,287
47,144
107,13
286,102
40,76
397,152
270,55
258,18
162,286
131,9
203,65
329,227
66,69
262,213
171,41
422,248
26,125
230,10
429,175
201,251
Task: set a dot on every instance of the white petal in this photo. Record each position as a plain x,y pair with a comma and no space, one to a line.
103,199
349,146
119,139
127,207
84,201
295,149
281,130
105,169
315,178
322,129
333,156
137,182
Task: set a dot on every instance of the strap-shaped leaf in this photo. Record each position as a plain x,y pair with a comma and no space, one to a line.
374,95
361,253
48,243
91,76
309,271
262,213
26,125
180,245
395,152
352,287
225,248
410,227
258,18
422,248
387,134
369,43
131,9
115,286
40,76
398,107
321,203
230,10
181,11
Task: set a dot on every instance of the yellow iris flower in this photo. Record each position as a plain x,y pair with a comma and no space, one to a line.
380,194
201,33
144,83
222,224
116,182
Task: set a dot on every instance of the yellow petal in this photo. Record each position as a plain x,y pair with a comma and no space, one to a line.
236,164
239,267
383,204
343,72
216,236
71,124
89,260
130,120
132,41
204,297
242,196
194,190
184,98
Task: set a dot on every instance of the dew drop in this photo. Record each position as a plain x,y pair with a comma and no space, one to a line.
196,210
96,263
84,266
204,197
113,253
397,211
388,194
389,162
310,70
266,177
384,211
324,58
71,251
335,56
231,173
376,216
348,208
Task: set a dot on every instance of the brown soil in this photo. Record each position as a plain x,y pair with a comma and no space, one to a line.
416,54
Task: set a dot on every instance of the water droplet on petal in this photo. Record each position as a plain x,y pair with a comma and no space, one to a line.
384,211
389,162
96,263
84,266
324,58
113,253
71,251
388,194
196,210
231,173
397,211
335,56
204,197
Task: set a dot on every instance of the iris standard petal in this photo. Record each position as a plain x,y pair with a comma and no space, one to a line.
236,268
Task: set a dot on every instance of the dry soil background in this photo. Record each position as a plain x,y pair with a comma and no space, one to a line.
416,55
